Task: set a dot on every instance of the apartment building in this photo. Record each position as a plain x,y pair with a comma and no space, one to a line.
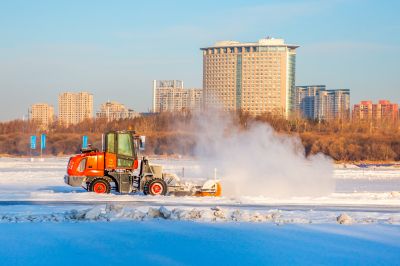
305,100
74,108
383,111
317,103
115,111
42,113
332,105
171,96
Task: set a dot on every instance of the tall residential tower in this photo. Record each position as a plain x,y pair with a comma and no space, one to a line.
254,77
74,108
332,105
305,100
315,102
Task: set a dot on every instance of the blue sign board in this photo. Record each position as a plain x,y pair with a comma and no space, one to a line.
84,142
43,141
33,142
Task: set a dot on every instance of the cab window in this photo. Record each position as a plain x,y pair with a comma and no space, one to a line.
82,165
111,143
125,145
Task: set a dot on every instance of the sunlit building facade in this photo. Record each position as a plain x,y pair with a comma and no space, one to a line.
254,77
43,114
74,108
383,111
332,105
115,111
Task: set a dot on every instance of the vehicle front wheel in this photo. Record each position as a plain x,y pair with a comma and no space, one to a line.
155,186
100,186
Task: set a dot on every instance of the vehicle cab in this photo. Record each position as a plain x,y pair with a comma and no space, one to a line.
119,153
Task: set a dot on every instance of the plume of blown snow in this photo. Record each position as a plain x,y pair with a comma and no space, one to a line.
258,161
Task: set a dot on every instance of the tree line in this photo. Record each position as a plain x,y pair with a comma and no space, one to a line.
175,133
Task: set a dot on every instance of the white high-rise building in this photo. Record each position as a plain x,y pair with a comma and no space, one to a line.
171,96
305,100
332,105
316,102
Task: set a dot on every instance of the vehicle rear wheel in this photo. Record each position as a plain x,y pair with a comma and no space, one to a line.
155,186
100,186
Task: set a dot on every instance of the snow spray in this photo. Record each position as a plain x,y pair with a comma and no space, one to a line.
258,161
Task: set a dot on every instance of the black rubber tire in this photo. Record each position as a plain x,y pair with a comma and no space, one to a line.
99,182
147,188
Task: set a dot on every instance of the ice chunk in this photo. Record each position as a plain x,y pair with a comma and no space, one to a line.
153,213
94,213
164,212
344,219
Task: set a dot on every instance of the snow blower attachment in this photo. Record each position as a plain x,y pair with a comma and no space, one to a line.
117,168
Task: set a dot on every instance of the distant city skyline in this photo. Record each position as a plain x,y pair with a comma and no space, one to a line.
115,50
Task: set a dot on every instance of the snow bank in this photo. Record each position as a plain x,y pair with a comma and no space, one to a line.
116,212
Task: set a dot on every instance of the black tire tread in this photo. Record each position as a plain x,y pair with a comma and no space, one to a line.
146,187
105,180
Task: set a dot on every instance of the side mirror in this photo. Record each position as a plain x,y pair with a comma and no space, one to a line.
142,143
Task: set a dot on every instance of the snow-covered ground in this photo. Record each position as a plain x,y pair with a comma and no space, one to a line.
357,224
369,195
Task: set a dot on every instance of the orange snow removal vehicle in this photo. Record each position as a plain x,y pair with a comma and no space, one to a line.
117,168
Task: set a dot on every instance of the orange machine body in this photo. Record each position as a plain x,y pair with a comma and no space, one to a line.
94,163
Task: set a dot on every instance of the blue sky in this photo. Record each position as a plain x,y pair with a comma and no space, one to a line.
115,49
